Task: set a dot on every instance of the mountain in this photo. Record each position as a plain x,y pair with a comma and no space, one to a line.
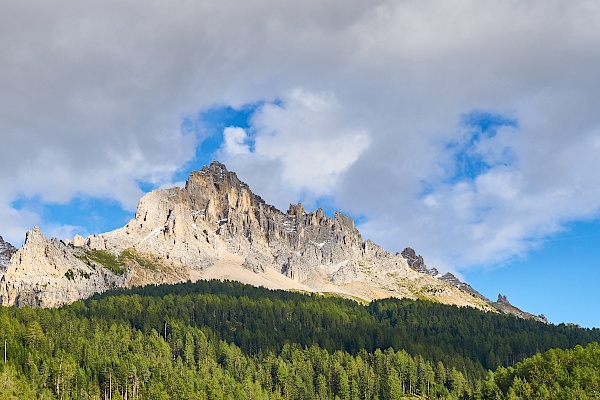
47,273
217,228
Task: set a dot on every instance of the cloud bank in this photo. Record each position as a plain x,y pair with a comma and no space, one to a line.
396,111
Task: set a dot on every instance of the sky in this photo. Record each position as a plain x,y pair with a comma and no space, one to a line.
467,130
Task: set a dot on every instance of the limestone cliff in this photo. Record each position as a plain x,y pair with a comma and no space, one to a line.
215,227
46,273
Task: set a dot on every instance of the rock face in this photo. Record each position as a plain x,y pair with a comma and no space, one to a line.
416,262
454,281
46,273
215,227
502,300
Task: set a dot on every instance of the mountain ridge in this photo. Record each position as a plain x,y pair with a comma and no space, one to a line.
216,227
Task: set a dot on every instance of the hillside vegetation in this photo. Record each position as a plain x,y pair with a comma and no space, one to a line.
225,340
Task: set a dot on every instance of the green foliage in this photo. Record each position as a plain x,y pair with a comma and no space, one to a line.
84,274
142,260
259,319
115,263
556,374
106,259
70,275
230,341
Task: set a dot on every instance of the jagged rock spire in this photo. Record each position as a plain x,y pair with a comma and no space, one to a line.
502,299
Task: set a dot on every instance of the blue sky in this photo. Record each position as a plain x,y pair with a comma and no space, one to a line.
468,131
559,279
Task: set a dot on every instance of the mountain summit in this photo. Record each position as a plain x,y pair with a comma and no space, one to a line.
215,227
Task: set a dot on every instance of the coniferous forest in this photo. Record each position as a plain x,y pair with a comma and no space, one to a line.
226,340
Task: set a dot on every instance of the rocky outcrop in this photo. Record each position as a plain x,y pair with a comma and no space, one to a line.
503,305
417,263
450,279
502,299
6,252
47,273
215,227
542,318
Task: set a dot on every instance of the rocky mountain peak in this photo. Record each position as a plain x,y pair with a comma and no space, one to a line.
449,278
502,304
33,236
414,260
502,299
217,228
216,174
417,263
214,191
296,210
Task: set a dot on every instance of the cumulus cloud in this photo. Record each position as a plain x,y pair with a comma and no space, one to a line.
15,223
499,209
235,139
303,139
362,102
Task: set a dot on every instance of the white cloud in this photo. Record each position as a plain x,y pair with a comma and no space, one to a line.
235,139
14,224
63,232
304,140
360,102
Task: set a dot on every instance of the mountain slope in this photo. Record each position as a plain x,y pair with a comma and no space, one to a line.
215,227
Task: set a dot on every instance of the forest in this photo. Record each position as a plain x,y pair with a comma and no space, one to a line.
226,340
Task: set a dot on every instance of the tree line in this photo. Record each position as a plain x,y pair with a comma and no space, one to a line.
260,319
214,340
